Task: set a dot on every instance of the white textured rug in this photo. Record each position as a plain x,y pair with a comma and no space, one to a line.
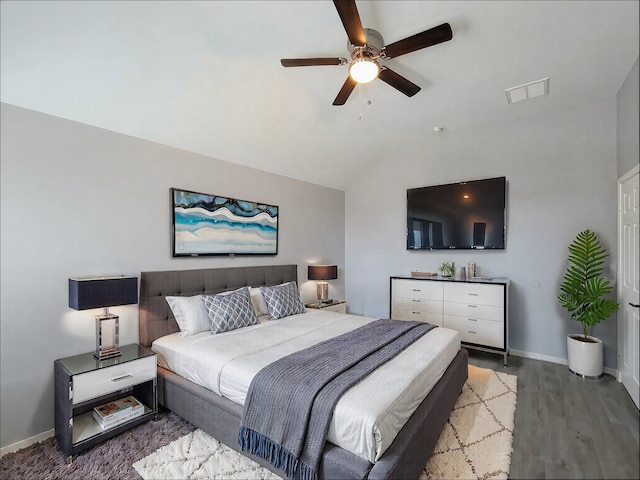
475,442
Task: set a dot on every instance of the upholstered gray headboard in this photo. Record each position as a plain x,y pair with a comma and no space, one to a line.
156,318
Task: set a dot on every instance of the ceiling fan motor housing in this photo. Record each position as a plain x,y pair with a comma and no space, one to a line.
371,49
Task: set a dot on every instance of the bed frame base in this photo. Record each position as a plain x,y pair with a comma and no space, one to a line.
404,459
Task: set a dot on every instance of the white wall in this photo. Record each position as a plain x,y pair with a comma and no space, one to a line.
78,200
561,179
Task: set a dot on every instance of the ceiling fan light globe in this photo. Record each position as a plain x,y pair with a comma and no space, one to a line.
363,70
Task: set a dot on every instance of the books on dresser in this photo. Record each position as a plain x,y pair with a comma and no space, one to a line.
117,412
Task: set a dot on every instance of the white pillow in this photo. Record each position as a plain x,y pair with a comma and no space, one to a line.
190,313
258,301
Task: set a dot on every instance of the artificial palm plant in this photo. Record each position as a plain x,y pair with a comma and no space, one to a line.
583,285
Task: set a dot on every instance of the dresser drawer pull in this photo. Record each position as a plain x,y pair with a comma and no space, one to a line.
471,331
117,379
416,313
416,290
415,300
474,294
472,319
472,306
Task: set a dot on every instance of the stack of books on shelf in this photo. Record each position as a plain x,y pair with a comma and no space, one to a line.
117,412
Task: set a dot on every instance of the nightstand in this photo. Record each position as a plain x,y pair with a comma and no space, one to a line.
339,306
83,382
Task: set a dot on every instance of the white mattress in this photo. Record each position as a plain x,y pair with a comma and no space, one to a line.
366,419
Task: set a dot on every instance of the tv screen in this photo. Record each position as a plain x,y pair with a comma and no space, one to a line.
465,215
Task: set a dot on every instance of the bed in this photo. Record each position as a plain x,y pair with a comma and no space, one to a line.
405,455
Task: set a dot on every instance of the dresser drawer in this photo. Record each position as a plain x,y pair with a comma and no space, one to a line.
473,310
481,332
477,293
107,380
422,304
417,315
426,289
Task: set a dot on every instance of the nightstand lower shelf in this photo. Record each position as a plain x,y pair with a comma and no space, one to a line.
85,427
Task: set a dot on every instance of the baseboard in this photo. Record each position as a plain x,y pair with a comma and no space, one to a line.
562,361
27,442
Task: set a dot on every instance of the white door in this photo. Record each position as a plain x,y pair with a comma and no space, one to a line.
628,288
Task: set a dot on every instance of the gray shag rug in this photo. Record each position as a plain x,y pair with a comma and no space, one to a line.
112,459
475,444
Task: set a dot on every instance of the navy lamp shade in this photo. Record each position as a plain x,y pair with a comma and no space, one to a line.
103,292
322,273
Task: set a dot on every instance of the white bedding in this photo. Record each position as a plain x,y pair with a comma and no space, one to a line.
367,418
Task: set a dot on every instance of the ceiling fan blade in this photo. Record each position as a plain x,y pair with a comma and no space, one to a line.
351,21
345,91
398,82
433,36
311,62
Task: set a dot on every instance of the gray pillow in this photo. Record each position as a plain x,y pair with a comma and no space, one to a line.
230,311
283,300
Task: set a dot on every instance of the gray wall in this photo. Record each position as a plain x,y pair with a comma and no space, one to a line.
71,196
78,200
628,122
561,179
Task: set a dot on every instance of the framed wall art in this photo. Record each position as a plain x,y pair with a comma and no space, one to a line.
204,224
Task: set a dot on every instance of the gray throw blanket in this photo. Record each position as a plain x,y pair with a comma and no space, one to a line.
290,402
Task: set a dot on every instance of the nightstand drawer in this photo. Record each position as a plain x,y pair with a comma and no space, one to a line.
338,307
106,380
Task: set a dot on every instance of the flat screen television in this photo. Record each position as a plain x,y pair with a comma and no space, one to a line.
464,215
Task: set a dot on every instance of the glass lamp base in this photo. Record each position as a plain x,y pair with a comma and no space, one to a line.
322,291
107,336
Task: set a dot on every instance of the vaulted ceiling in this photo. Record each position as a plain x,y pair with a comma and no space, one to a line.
205,76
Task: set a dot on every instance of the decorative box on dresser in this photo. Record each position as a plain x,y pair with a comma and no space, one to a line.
477,308
83,382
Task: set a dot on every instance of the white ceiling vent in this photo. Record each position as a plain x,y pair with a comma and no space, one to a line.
528,90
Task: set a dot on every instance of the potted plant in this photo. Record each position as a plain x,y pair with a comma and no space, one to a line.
447,269
581,293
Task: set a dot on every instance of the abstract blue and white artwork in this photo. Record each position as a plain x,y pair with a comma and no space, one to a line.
212,225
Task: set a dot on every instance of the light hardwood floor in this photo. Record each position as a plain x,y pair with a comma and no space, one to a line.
566,426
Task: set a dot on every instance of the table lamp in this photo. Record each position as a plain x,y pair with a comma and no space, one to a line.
322,273
104,292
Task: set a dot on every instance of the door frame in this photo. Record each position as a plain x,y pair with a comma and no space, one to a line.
627,176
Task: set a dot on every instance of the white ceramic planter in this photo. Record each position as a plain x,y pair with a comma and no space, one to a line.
585,358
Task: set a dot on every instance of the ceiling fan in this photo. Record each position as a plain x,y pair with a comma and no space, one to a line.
366,47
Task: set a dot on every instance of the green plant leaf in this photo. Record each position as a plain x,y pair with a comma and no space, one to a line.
583,286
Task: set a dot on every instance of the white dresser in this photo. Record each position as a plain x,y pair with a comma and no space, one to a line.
478,309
